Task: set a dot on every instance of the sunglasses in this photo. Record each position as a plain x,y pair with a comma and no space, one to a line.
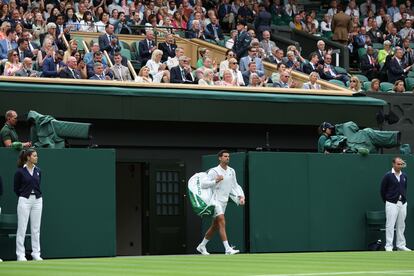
233,62
15,55
353,81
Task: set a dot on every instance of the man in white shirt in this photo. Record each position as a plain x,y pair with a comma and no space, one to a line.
173,62
222,179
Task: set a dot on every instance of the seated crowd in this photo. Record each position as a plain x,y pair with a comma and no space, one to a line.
34,36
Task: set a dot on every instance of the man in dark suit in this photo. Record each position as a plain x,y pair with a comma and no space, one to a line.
61,29
23,49
251,68
396,70
182,72
168,48
394,195
70,71
329,72
99,72
369,64
214,32
146,47
313,64
108,41
53,65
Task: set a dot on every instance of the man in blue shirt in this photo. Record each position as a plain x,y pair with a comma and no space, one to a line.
394,194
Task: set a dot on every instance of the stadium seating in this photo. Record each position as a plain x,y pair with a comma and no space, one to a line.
409,84
386,86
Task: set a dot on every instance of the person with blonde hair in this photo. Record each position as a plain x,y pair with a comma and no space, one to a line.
73,47
207,79
144,75
355,84
157,69
237,74
312,83
227,79
375,85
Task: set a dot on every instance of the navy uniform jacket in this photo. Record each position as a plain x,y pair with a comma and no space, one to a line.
391,189
24,183
242,42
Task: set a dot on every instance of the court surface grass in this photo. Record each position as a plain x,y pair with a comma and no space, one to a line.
279,264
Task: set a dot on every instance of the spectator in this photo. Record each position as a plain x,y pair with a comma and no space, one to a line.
352,9
310,25
82,9
321,52
27,69
381,17
173,62
262,20
237,74
367,6
196,31
375,34
182,72
383,53
276,57
341,26
393,9
291,9
146,47
171,7
208,63
178,22
312,83
408,57
61,29
242,41
267,44
168,48
73,48
225,63
297,24
399,87
70,71
280,67
326,25
251,69
7,44
355,84
88,57
407,31
8,134
284,81
394,38
109,42
227,79
23,49
256,81
313,64
333,8
122,26
87,24
97,58
71,20
134,20
330,73
207,79
292,62
202,52
230,42
157,69
119,71
369,64
251,57
12,64
400,15
144,75
375,85
226,16
103,21
53,65
214,31
277,9
38,26
99,72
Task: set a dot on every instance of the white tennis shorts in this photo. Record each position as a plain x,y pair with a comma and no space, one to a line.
220,208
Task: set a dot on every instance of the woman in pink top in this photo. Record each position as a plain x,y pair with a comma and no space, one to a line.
12,65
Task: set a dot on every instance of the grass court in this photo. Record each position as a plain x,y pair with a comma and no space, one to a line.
378,263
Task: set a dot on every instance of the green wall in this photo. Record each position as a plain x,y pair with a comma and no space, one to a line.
235,219
316,202
78,186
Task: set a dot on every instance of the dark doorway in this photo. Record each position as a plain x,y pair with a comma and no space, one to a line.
165,223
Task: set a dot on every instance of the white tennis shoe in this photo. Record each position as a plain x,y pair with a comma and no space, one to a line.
202,249
232,251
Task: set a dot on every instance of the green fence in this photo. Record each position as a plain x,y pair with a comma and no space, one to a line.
310,202
78,186
235,219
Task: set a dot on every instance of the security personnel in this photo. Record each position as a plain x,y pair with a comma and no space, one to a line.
326,129
8,134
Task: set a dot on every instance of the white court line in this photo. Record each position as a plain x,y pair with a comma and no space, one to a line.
343,273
